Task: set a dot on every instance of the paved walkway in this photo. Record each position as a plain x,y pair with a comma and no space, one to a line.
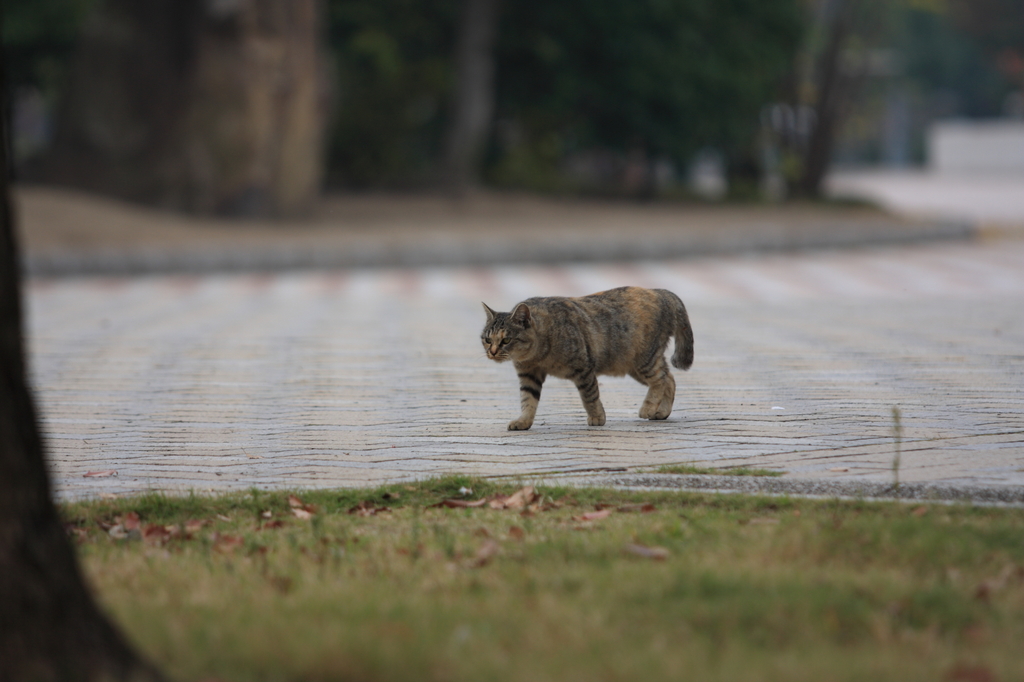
994,202
363,376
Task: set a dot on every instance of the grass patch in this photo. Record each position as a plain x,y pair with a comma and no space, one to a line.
692,469
572,585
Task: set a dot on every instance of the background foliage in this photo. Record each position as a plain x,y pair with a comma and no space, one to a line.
615,82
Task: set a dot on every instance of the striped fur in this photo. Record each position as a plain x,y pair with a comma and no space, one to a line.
616,332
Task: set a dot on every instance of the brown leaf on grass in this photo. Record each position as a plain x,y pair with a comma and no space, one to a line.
195,525
594,515
920,511
156,534
962,672
520,499
266,514
131,521
655,553
226,543
300,509
483,556
516,532
118,532
459,504
367,508
76,533
271,525
100,474
645,508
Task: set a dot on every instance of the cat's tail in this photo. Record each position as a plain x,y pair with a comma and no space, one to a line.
682,358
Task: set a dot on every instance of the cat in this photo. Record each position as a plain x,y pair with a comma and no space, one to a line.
615,332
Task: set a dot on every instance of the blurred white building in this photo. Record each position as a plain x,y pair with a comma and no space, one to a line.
993,147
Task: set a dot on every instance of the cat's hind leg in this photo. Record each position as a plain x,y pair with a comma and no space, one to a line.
530,384
586,384
661,389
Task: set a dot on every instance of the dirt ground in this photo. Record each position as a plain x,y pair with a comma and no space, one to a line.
55,219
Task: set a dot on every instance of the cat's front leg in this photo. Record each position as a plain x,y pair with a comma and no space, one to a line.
530,384
586,384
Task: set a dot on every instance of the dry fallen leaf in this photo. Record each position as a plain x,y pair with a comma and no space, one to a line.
367,508
131,521
840,469
270,525
226,543
75,532
487,551
156,534
516,532
594,515
117,532
195,525
920,511
459,504
645,508
656,553
520,499
100,474
294,502
300,513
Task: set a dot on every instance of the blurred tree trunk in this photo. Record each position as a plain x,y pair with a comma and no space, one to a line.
210,106
50,628
474,93
833,90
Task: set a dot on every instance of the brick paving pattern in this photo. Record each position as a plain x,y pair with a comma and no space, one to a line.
363,376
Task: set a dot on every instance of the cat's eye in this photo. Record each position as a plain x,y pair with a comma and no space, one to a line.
505,342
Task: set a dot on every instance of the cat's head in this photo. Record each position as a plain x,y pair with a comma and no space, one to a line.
508,336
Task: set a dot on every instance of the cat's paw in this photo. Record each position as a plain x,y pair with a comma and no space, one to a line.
653,411
519,425
596,420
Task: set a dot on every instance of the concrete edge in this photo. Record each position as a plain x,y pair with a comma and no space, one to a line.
818,488
451,252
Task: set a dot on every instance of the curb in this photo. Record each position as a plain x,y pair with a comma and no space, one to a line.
821,488
457,249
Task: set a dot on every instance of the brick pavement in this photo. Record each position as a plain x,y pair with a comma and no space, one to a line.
364,376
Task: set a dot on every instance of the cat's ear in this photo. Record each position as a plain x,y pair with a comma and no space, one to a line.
490,313
521,315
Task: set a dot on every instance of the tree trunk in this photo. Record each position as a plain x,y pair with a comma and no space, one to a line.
833,92
50,627
210,107
474,93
